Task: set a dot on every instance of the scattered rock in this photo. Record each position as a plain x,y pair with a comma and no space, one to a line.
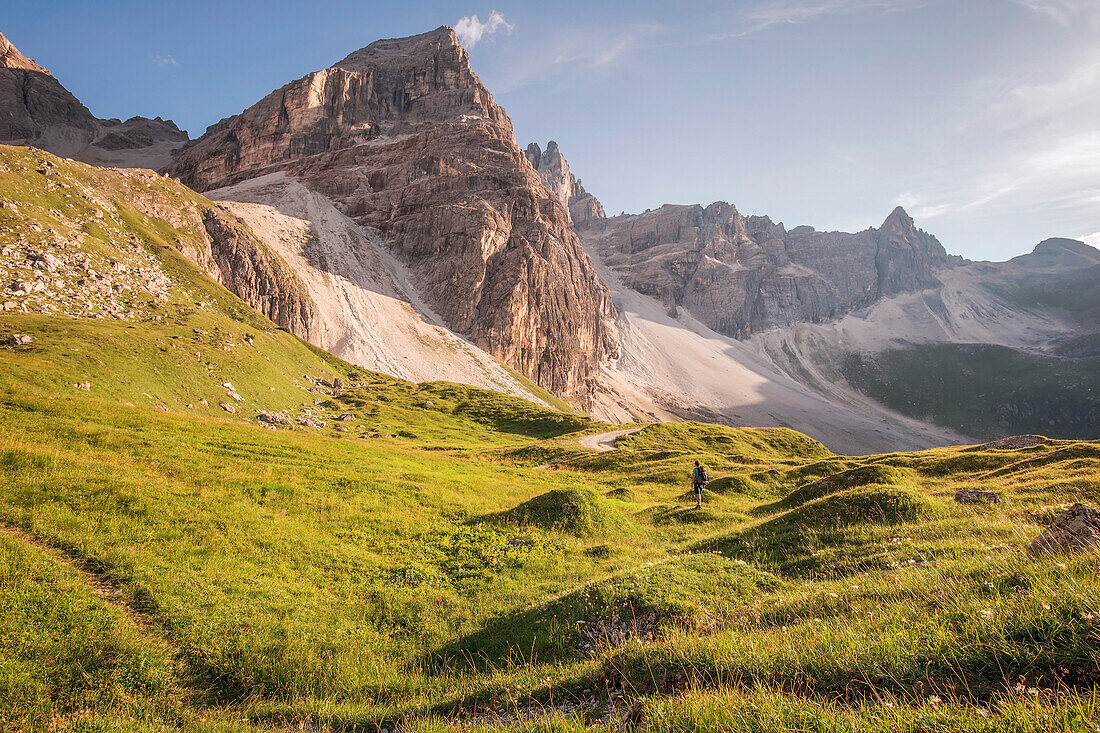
346,417
1078,528
969,496
1013,442
274,418
20,339
517,542
45,261
203,402
229,386
612,631
83,385
227,407
338,383
310,423
236,396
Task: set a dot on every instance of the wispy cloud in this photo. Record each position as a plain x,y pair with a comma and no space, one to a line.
1063,11
595,50
566,52
1093,239
165,60
471,30
785,12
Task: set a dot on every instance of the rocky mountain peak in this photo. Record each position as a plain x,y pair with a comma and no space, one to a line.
11,58
553,169
742,274
36,110
907,257
402,54
1060,253
405,140
898,223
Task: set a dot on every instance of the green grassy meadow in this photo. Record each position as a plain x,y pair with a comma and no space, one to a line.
447,558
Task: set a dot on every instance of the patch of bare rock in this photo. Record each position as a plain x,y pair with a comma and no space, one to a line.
1076,529
1014,442
971,496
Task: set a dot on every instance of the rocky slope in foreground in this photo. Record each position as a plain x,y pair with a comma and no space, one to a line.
36,110
405,140
81,241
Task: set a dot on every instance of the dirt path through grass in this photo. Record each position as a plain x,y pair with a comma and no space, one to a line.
603,442
106,587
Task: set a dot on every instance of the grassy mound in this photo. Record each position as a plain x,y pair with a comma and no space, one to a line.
690,592
874,503
873,474
581,512
796,543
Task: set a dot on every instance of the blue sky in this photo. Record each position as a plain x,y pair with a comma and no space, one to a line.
981,117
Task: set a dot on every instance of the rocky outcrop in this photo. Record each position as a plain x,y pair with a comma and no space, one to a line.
255,274
1076,529
552,167
36,110
404,139
94,261
741,274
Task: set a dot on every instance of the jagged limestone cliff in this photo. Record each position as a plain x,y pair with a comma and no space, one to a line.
404,139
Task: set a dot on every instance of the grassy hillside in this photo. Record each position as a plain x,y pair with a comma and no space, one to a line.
205,572
987,391
432,557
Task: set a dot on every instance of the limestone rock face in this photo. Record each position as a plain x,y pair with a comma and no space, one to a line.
741,274
582,206
36,110
255,274
404,138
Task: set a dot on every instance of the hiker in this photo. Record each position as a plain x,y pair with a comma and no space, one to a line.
699,479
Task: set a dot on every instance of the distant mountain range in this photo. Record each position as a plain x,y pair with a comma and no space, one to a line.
381,208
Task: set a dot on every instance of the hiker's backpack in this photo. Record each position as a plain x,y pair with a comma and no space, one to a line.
703,477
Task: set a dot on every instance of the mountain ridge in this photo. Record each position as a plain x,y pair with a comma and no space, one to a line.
37,110
433,246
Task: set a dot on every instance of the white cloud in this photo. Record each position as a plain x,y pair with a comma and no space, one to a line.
165,60
471,30
1092,239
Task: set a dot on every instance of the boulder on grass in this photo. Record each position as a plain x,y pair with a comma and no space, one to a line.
1076,529
970,496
